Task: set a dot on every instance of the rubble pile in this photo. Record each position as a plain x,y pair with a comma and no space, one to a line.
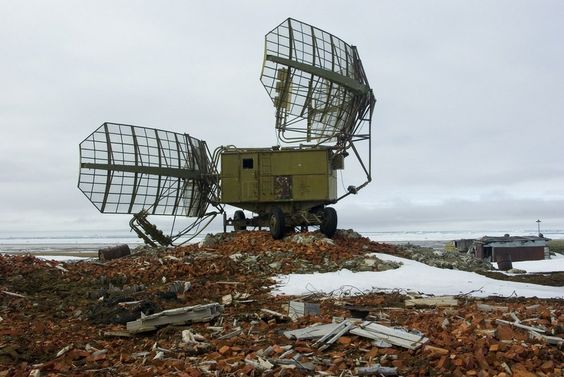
300,252
203,310
445,259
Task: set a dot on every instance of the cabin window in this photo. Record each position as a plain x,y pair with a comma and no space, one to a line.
247,163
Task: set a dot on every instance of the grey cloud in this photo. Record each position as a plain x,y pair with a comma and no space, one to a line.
469,99
454,214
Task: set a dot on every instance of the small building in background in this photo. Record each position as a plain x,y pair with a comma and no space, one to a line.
510,248
462,245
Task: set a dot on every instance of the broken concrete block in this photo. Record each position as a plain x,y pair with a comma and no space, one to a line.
178,316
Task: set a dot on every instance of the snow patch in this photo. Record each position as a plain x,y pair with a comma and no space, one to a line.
411,276
555,264
61,258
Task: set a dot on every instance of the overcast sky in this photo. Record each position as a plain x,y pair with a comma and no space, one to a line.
468,129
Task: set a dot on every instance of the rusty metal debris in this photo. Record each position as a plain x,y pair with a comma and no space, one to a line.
113,252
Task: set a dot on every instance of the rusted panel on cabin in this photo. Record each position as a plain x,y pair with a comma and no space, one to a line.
519,253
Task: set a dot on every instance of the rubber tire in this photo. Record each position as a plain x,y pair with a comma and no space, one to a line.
277,223
329,222
239,215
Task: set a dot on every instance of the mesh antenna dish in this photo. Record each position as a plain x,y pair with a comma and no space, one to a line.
139,170
317,84
127,169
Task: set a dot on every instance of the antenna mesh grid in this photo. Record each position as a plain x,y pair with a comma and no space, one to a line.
127,169
311,106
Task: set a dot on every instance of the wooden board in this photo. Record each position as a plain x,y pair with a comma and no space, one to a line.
431,302
311,332
390,335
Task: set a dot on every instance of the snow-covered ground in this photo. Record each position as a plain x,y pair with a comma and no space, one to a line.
411,276
61,258
555,264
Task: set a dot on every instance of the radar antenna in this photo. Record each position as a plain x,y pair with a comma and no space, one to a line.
319,89
145,171
323,103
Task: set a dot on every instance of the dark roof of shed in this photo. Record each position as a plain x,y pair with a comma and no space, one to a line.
488,239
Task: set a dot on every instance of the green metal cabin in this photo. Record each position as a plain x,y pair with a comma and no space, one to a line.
289,178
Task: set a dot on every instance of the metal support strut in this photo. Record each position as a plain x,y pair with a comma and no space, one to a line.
148,232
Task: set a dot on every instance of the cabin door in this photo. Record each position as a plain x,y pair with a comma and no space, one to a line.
249,177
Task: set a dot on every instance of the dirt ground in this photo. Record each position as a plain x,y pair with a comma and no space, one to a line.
555,279
69,318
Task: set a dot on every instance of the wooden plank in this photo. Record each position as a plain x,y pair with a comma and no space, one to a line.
492,308
304,366
231,334
375,327
336,330
376,370
386,338
336,336
393,336
311,332
436,350
554,340
514,317
272,313
524,327
13,294
119,334
431,301
329,333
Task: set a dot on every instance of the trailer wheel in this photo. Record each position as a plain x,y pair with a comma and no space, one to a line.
239,221
329,222
277,225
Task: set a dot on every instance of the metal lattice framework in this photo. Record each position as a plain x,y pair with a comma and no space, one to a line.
317,84
129,169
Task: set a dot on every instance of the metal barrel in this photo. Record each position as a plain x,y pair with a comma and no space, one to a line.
113,252
504,262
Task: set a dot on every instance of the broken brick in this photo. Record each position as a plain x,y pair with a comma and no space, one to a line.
441,364
547,366
520,370
504,332
344,340
494,347
465,340
435,350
